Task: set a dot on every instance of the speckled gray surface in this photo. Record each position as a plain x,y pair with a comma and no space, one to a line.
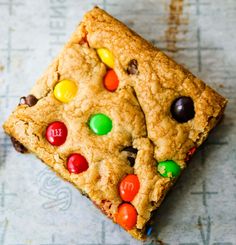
36,207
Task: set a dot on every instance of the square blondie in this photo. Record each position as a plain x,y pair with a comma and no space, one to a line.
116,117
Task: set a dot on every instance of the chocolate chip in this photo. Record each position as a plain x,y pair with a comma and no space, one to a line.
131,161
130,154
182,109
18,146
132,67
22,100
130,149
30,100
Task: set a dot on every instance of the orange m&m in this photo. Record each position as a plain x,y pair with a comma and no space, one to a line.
111,81
129,187
126,216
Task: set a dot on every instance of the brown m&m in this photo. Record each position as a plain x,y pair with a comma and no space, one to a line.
182,109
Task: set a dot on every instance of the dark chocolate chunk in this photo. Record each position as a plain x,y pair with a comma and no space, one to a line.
18,146
182,109
132,67
30,100
131,154
130,149
131,161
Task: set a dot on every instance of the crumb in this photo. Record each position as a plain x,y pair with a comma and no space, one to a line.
221,85
160,242
1,67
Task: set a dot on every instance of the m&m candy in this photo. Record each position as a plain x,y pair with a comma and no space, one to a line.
149,230
56,133
169,169
190,153
126,216
129,187
106,57
182,109
76,163
100,124
111,81
65,91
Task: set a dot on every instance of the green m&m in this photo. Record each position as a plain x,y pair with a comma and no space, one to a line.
169,169
100,124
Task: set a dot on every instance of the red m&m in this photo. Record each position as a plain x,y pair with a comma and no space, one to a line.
76,163
126,216
190,153
56,133
129,187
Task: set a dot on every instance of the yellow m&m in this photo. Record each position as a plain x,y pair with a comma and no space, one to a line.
65,91
106,57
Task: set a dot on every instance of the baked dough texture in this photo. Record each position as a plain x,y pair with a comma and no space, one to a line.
139,109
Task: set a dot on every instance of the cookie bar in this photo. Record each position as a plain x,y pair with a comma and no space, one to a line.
116,117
